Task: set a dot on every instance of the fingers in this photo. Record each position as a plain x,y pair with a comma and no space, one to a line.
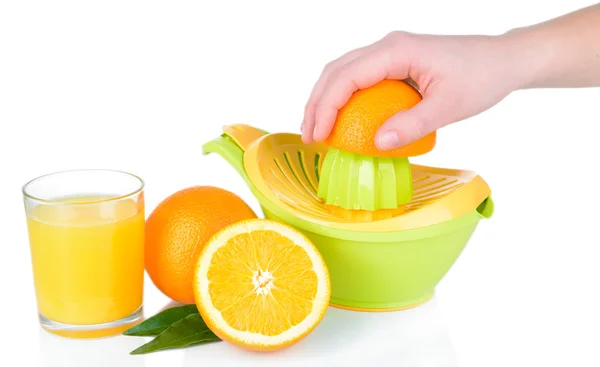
410,125
363,72
308,124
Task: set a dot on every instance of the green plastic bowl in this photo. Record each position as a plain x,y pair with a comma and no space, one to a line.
395,273
381,271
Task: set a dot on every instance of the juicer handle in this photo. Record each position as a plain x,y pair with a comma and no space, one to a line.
486,208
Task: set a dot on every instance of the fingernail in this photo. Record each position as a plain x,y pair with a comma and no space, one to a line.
316,132
389,140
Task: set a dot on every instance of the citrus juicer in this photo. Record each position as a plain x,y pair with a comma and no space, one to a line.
375,264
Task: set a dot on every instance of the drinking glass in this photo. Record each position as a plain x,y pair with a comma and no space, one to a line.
86,236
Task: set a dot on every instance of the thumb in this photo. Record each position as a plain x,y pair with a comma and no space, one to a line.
410,125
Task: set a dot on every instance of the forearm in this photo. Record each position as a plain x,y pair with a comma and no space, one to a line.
560,53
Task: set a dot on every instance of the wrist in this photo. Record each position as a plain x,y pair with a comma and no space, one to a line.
529,53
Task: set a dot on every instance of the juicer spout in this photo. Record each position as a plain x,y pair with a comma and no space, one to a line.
230,151
232,144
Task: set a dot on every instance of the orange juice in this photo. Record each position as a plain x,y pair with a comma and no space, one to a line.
88,259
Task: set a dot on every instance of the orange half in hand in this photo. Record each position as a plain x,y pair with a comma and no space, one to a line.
367,110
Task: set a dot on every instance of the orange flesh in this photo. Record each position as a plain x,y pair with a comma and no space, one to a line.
262,282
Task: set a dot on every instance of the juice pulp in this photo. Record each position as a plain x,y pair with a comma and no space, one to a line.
88,259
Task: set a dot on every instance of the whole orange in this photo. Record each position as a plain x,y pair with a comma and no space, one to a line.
177,230
360,118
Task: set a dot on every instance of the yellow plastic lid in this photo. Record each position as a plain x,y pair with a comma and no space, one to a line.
286,172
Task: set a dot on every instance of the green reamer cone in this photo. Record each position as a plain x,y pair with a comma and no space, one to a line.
360,182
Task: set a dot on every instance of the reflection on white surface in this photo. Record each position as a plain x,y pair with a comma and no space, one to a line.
414,337
113,351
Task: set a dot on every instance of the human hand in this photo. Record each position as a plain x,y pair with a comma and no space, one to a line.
458,77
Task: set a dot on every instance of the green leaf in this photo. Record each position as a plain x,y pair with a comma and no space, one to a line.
190,330
161,321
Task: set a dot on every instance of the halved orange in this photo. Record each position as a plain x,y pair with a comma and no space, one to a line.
261,285
358,121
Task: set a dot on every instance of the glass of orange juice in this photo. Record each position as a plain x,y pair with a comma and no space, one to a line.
86,234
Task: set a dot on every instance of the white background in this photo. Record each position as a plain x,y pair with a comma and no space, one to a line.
140,86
